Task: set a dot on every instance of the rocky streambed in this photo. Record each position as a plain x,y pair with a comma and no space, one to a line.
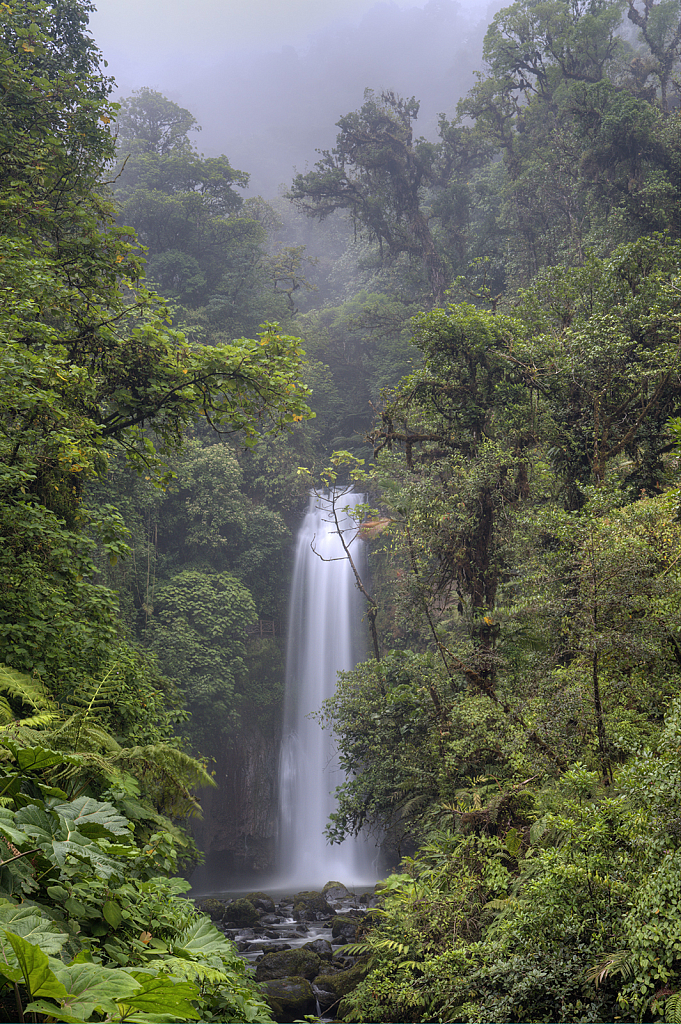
296,945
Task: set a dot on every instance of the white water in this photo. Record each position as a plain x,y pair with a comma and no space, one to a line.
325,637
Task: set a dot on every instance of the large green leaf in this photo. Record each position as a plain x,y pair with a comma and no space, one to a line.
162,996
91,986
203,939
38,976
93,818
26,923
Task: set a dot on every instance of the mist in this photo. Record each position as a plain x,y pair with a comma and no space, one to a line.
270,96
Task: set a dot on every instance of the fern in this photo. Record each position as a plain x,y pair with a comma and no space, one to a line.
614,963
672,1008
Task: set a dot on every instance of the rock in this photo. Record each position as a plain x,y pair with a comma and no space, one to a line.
325,997
321,947
343,982
344,928
311,906
261,901
241,914
269,947
370,899
289,998
214,908
269,918
288,963
335,891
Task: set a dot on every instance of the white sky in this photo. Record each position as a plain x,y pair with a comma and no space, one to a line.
133,27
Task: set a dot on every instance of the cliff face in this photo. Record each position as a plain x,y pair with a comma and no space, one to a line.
238,830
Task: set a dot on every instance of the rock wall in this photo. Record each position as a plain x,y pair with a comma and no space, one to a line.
238,830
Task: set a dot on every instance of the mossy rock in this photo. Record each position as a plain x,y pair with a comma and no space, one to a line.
241,914
261,901
288,963
321,947
311,906
289,998
345,927
214,908
336,891
343,982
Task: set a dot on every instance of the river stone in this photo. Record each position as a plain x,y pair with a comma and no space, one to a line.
241,914
325,997
311,906
344,928
269,947
214,908
343,982
321,947
261,901
335,891
288,963
269,918
289,998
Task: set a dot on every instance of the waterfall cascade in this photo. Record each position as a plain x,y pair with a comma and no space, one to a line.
325,637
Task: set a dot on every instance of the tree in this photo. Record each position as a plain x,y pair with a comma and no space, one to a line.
89,365
380,174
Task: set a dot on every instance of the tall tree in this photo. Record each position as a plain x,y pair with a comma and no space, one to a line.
380,173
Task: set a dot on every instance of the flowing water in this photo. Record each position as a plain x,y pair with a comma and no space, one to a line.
325,636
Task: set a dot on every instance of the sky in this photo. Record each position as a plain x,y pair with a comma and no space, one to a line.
152,27
269,79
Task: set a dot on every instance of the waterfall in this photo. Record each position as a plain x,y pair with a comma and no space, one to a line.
325,636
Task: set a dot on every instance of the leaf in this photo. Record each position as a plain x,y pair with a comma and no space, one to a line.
91,986
162,995
203,939
112,913
39,978
93,818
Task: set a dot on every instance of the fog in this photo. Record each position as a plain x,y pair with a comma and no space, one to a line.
268,81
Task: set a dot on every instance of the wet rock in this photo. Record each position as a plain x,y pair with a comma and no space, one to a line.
344,928
325,997
289,998
269,947
289,933
302,929
336,891
321,947
269,918
214,908
311,906
243,946
288,963
261,901
370,899
241,914
343,982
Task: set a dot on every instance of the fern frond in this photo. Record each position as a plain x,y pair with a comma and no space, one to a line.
41,720
170,774
29,690
614,963
672,1008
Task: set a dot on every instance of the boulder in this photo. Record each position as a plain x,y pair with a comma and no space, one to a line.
288,963
241,914
344,928
311,906
321,947
261,901
343,982
214,908
289,998
336,891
